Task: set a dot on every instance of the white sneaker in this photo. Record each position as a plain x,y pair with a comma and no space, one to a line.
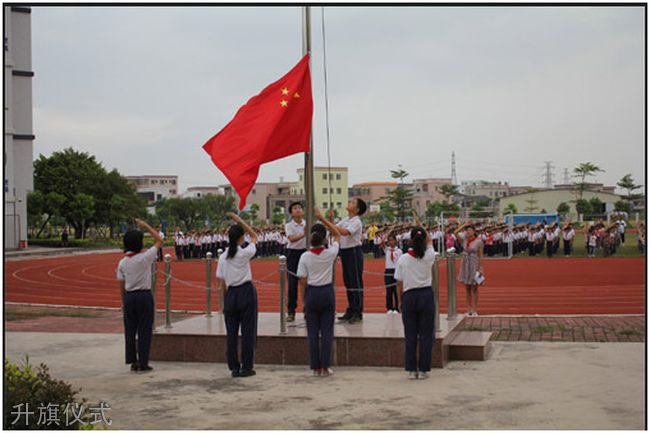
389,312
413,375
327,372
423,375
316,373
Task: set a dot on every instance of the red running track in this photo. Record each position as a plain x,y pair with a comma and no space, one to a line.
517,286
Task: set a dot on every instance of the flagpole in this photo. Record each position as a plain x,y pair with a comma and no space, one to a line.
309,157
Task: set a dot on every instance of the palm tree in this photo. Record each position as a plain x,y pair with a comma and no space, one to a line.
581,172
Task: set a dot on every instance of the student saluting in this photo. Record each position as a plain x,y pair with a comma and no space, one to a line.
295,230
240,298
138,305
315,272
413,275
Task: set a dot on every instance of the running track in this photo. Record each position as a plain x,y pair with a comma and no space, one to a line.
517,286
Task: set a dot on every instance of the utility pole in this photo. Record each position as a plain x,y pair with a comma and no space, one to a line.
548,174
454,180
566,176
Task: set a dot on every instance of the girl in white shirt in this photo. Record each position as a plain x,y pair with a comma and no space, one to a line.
413,275
240,298
138,304
392,256
315,273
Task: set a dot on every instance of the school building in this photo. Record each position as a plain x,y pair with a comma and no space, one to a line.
153,188
547,200
201,191
19,133
330,185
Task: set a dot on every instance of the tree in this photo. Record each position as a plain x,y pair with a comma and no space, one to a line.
278,215
400,197
623,206
448,190
596,205
628,184
436,208
583,206
563,209
69,173
581,172
83,209
214,207
511,208
254,209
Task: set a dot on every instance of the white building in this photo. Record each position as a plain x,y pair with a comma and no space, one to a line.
18,134
201,191
154,188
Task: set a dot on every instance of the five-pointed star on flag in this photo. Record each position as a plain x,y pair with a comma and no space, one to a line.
284,103
285,91
296,95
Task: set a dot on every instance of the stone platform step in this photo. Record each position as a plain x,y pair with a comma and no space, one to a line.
469,346
377,341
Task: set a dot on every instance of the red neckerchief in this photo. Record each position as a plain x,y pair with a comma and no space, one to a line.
317,250
131,254
392,257
411,253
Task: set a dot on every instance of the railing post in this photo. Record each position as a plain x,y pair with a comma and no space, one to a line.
168,283
219,288
283,277
208,284
451,286
154,270
435,280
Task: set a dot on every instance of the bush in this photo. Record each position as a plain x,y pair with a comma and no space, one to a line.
33,387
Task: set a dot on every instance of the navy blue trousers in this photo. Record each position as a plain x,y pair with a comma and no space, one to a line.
391,289
293,257
352,263
138,322
240,310
418,317
320,308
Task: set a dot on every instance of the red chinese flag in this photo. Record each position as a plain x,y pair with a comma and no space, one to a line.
274,124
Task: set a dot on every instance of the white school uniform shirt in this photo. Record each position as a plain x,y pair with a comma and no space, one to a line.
162,235
215,238
355,227
236,270
569,235
550,236
293,228
135,270
556,232
621,227
317,268
397,253
498,236
413,272
178,238
377,240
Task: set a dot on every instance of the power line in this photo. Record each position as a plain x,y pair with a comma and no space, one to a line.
454,180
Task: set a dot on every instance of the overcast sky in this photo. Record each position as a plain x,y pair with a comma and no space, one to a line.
506,88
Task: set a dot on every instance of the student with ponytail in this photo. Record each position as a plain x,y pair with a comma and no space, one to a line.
315,272
413,275
240,298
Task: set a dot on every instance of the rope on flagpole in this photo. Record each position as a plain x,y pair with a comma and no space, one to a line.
327,111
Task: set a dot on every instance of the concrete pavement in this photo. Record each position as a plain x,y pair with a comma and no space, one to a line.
522,386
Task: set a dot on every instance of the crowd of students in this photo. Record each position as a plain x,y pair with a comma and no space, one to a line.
409,251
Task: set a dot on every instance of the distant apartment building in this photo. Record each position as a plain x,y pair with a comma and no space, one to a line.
18,125
372,192
201,191
154,188
266,195
597,187
491,190
426,191
330,184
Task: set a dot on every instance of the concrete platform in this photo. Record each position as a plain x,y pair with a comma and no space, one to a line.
377,341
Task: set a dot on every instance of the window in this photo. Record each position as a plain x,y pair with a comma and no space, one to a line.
331,190
154,181
158,196
338,190
338,204
425,187
331,176
173,182
324,176
387,190
338,176
301,178
324,190
301,191
172,191
198,194
324,205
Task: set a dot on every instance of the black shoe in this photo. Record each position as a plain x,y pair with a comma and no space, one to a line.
291,318
246,373
355,319
345,317
134,367
144,369
235,373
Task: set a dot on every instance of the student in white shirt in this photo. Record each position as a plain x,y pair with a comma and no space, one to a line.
315,272
178,244
138,304
240,298
351,229
162,236
567,237
621,229
413,275
295,230
550,238
392,256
